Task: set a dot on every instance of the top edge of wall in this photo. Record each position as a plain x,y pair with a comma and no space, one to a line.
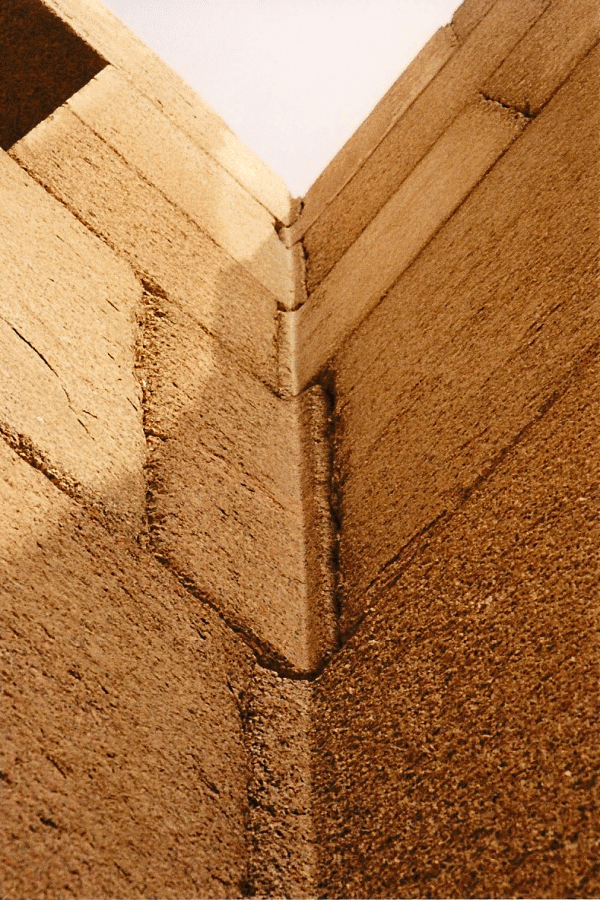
109,37
407,87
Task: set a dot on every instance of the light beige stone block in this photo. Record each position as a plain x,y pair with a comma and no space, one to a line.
187,176
109,37
546,55
388,111
455,86
238,490
68,332
434,189
460,358
159,241
234,545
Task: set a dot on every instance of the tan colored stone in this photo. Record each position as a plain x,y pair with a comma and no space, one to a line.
455,87
187,176
546,55
238,547
123,760
158,239
468,15
67,336
280,787
196,395
233,505
109,37
388,111
456,735
462,356
434,189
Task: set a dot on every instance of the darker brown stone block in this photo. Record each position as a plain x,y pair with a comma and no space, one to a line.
43,63
457,739
123,762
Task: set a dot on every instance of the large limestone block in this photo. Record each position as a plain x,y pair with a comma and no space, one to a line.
468,15
430,194
456,745
454,87
157,238
546,55
234,545
365,139
123,759
198,186
68,394
112,40
238,489
473,340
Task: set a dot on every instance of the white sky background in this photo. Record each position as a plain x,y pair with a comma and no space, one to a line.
292,78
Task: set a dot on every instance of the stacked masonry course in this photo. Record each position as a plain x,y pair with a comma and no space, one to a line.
299,500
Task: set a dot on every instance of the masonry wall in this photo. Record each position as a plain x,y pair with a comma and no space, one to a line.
299,499
153,553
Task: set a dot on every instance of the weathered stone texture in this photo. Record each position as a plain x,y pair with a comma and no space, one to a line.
455,87
457,732
68,332
123,761
198,186
420,206
460,356
278,715
545,56
101,29
137,221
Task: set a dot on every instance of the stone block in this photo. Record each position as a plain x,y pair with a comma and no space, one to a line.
280,824
103,31
460,357
544,58
230,489
427,118
68,393
187,176
369,135
431,193
124,763
456,734
234,545
159,240
468,15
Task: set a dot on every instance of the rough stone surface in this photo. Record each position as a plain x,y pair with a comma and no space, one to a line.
546,55
460,357
277,716
197,185
137,221
226,504
468,15
454,88
388,111
423,202
114,42
123,774
43,63
68,330
457,732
